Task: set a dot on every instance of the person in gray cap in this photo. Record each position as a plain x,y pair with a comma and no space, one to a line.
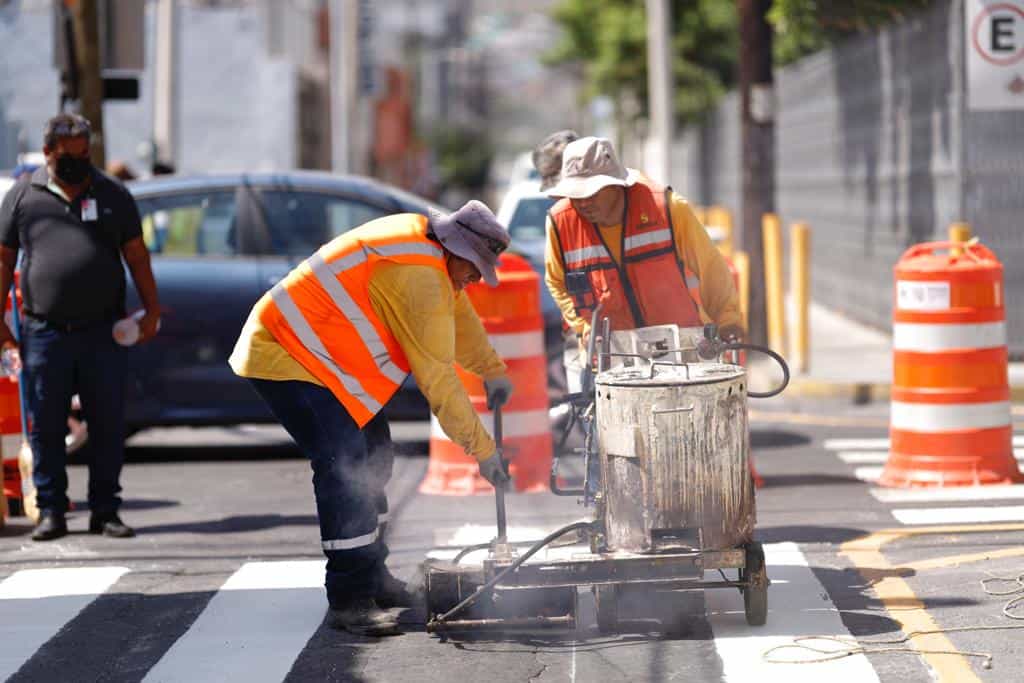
332,342
618,240
547,156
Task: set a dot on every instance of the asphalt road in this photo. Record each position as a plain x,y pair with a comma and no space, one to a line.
223,581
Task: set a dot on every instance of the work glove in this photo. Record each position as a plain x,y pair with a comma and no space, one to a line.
493,470
498,391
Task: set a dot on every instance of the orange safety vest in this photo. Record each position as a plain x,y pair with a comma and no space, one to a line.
321,313
651,286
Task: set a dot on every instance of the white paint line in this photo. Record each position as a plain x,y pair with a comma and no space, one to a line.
960,515
949,494
869,474
879,457
863,457
37,603
855,444
253,628
798,607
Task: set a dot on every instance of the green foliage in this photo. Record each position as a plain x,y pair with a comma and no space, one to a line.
609,37
463,156
802,27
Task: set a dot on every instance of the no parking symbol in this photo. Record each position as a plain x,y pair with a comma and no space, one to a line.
995,54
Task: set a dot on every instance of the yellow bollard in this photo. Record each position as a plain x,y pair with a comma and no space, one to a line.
774,296
800,291
959,232
741,261
719,220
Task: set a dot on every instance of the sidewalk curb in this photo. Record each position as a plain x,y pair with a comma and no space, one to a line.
858,393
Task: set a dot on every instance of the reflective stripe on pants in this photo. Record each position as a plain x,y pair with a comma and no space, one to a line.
350,469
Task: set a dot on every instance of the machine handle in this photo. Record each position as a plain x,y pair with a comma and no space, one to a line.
499,491
662,411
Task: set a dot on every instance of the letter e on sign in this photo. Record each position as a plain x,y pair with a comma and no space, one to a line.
994,32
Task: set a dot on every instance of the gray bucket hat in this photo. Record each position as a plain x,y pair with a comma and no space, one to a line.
589,164
473,233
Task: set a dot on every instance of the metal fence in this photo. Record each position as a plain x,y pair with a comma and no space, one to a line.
875,151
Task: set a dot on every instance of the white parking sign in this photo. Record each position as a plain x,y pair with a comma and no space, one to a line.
994,31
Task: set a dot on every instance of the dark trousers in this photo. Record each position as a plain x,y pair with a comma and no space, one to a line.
57,364
350,466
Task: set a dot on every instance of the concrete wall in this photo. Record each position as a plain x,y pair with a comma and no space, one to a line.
875,153
238,104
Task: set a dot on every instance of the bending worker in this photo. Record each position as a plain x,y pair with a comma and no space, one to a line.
331,343
617,239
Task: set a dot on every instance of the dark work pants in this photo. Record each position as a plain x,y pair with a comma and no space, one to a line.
58,364
350,466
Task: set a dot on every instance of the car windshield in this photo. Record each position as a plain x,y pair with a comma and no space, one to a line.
529,218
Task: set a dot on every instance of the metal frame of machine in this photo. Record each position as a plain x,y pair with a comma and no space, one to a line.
507,593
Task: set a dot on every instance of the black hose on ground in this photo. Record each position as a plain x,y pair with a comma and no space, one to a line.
487,587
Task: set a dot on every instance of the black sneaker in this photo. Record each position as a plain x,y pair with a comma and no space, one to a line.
393,592
363,617
109,525
51,525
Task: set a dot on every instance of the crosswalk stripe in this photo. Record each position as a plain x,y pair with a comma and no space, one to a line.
36,603
798,605
959,515
855,444
253,628
949,494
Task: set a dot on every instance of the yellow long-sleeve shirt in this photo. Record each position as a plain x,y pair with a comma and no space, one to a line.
720,303
435,326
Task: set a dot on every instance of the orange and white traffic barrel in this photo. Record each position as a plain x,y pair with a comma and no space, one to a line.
950,421
511,314
10,429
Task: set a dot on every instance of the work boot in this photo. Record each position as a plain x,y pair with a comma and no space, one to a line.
51,525
363,617
393,592
109,525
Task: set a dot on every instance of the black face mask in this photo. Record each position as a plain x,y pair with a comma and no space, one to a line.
73,170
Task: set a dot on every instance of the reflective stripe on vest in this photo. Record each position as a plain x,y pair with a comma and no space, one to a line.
321,313
650,283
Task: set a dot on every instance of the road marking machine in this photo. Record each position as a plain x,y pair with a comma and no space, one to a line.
667,472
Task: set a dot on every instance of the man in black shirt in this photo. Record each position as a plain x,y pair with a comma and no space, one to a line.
73,225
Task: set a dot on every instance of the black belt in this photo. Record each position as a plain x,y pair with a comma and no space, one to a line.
63,326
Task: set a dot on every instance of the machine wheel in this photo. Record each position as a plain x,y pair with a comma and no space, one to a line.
755,594
607,599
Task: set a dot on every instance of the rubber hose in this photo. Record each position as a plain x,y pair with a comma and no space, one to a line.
511,568
740,346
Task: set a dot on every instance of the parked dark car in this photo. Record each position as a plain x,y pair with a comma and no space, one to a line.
218,243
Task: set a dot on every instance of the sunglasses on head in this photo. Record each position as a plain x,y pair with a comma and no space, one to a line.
494,245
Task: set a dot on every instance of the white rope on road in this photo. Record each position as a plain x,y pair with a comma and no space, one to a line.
851,646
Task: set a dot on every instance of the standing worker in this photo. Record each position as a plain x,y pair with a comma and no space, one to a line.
618,239
74,225
547,156
331,343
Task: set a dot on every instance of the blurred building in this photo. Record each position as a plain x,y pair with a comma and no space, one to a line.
252,79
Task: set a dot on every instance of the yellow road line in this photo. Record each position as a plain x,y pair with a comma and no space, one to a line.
956,560
901,602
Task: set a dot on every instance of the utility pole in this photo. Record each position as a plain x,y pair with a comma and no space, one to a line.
165,96
757,102
659,88
85,20
344,75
